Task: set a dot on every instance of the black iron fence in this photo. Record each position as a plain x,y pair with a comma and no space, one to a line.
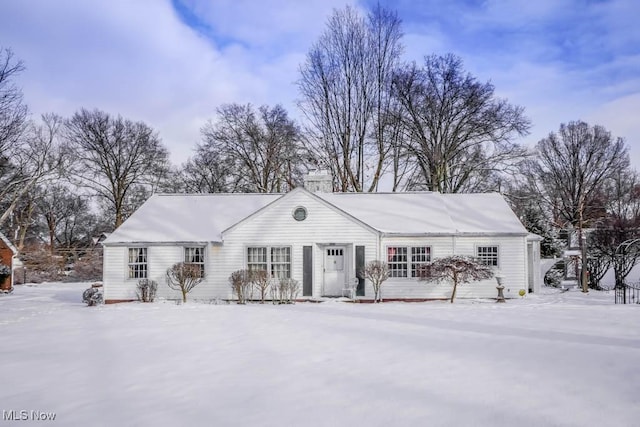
627,294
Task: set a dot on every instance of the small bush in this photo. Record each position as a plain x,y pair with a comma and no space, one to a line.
240,281
146,290
284,291
92,296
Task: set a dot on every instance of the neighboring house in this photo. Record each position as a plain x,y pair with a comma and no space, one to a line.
321,239
8,252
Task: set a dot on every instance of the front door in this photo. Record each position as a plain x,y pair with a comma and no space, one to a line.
334,277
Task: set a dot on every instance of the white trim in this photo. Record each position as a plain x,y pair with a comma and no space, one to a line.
9,244
490,245
268,246
292,193
409,261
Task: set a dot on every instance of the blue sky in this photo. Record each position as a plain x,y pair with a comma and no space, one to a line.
170,63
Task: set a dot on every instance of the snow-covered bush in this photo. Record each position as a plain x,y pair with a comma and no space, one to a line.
555,275
5,271
92,296
240,281
457,269
146,290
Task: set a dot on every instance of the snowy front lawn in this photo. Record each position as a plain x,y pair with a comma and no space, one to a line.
549,359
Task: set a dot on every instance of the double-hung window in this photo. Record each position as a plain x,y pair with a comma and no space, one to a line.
257,259
137,263
420,255
274,259
195,256
397,261
488,255
405,261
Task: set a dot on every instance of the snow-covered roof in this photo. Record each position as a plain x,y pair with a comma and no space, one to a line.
204,217
187,217
429,213
8,243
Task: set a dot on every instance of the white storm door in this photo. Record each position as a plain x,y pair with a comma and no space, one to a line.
334,277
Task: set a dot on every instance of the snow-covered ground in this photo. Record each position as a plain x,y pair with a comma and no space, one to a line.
565,359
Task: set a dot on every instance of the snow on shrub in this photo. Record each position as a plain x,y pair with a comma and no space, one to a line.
457,269
5,271
92,296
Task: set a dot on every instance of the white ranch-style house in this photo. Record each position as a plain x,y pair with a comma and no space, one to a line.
321,239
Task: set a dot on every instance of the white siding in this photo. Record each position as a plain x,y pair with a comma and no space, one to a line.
275,226
324,225
511,258
118,286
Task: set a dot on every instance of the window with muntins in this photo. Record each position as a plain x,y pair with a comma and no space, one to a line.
137,263
420,255
281,262
488,255
405,261
277,263
257,259
397,261
195,256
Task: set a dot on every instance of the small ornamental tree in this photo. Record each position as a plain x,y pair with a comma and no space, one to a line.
184,277
457,269
376,272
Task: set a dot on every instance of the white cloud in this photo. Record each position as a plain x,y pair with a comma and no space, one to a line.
139,59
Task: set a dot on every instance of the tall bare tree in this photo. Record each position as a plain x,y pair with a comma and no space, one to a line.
571,171
65,215
13,112
258,151
113,155
38,155
345,86
459,133
208,171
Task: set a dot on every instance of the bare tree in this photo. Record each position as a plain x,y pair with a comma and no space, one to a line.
458,133
37,156
345,86
620,224
113,155
457,269
208,171
251,151
570,173
184,277
13,112
376,272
